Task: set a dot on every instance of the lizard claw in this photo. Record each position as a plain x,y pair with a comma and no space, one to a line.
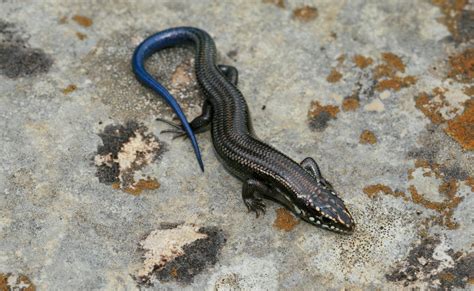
255,204
175,125
178,131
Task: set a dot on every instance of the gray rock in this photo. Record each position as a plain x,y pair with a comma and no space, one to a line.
69,222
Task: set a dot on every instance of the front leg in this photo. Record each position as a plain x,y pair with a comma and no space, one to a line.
312,167
251,193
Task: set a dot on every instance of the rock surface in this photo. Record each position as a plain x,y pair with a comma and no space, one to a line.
380,93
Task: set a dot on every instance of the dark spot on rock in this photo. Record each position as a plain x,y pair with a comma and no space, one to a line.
17,61
195,257
264,107
320,122
117,147
113,137
17,58
108,174
420,265
458,276
419,260
453,172
466,25
319,115
170,225
431,145
233,54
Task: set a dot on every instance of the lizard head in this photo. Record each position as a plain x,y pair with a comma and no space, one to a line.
323,208
315,201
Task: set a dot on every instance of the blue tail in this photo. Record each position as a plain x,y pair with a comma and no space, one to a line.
152,44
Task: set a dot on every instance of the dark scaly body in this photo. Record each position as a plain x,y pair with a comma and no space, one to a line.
264,170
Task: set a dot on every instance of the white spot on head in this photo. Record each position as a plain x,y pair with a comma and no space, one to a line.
297,210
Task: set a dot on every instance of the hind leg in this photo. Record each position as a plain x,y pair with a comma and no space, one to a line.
201,123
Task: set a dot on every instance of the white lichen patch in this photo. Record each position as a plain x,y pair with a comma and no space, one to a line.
164,245
375,105
425,181
456,98
126,150
138,151
107,160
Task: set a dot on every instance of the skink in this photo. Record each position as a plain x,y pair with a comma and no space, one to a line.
265,171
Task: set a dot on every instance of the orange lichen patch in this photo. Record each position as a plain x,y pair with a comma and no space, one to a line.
285,220
9,281
367,137
334,76
137,188
431,106
470,183
70,88
452,10
82,20
393,61
469,91
395,84
372,191
461,128
279,3
319,116
174,272
316,109
3,281
386,74
361,61
447,277
81,36
383,70
350,103
432,168
305,13
116,185
445,208
462,66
